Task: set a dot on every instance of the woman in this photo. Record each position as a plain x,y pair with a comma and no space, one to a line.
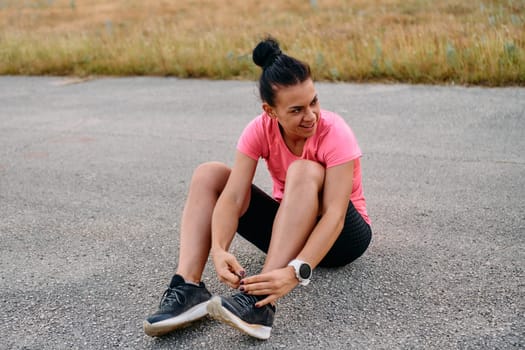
317,216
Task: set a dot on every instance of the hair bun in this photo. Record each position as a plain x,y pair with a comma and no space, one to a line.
266,52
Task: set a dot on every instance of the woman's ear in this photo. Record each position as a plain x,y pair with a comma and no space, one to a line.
268,109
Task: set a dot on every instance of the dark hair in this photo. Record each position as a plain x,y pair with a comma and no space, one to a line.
278,69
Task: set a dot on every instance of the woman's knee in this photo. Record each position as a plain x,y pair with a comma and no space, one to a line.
306,172
211,174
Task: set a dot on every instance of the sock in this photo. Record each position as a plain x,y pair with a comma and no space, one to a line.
192,283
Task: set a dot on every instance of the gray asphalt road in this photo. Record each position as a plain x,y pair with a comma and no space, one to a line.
93,177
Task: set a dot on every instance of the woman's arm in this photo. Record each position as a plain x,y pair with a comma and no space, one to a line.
232,202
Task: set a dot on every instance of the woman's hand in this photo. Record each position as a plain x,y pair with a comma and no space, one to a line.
228,268
274,284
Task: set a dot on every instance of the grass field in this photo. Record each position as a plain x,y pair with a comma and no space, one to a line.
418,41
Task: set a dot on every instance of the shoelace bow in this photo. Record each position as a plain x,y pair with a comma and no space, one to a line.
172,295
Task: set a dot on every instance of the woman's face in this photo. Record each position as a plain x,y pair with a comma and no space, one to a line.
297,110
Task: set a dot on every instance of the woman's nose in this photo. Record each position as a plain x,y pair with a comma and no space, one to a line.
310,115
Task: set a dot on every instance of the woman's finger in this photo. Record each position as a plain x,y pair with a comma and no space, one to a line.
269,299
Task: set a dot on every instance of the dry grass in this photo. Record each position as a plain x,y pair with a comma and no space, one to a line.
420,41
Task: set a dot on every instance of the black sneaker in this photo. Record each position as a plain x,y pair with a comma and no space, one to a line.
180,304
240,312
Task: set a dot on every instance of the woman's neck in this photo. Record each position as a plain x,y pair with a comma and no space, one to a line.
295,145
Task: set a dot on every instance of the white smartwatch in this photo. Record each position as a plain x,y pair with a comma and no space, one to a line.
303,271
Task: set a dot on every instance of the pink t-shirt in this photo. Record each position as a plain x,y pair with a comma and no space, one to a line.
333,144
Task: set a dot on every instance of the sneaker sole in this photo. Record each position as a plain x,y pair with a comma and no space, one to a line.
218,312
163,327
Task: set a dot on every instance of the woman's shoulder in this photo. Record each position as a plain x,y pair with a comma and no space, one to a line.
330,122
336,141
260,127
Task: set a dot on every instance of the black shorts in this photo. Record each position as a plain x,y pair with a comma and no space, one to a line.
256,226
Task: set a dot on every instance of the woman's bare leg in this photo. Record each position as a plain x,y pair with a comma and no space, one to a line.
207,183
297,213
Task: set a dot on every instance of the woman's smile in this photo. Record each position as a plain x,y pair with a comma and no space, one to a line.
308,126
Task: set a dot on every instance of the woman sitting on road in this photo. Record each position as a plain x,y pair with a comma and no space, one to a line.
317,216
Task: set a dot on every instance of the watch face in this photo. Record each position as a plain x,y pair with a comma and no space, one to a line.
305,271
